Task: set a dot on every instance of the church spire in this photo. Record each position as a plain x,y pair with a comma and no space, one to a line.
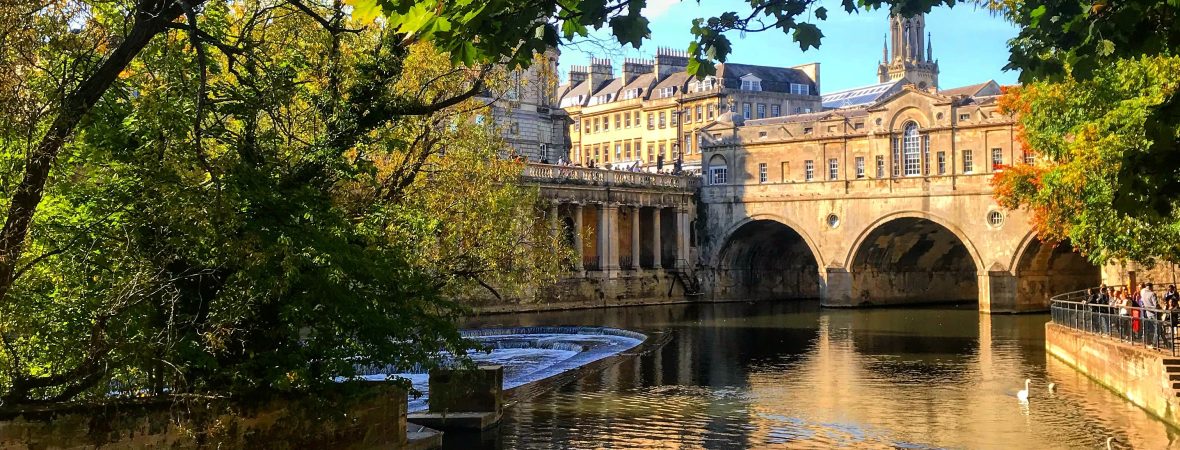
885,51
929,50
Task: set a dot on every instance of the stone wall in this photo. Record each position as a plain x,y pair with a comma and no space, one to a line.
369,416
1133,372
649,287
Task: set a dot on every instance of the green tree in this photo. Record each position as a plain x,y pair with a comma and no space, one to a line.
262,199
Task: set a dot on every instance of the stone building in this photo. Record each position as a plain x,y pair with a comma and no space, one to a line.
883,197
527,114
651,114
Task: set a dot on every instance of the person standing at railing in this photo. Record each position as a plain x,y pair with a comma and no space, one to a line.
1097,307
1171,298
1150,304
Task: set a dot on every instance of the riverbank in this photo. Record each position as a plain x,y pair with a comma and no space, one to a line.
1142,376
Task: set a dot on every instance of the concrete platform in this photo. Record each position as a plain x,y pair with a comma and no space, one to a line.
469,421
419,437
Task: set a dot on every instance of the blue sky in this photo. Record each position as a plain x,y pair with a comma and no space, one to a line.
969,44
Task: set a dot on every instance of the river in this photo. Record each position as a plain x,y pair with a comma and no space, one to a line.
793,375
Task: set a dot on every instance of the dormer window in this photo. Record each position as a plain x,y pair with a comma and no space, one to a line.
708,83
667,91
800,89
751,83
630,94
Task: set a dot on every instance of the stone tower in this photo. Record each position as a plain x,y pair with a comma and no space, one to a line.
907,37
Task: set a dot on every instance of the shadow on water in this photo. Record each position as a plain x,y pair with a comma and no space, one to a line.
792,375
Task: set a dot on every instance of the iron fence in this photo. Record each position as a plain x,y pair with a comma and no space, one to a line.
1155,328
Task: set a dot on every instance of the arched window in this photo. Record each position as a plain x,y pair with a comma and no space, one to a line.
911,145
718,170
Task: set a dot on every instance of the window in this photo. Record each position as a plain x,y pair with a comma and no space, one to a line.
638,146
800,89
711,109
606,123
637,118
880,166
651,121
630,94
699,116
587,125
761,134
627,120
833,169
761,110
858,125
618,121
997,159
963,117
995,218
761,172
596,124
968,162
860,167
776,110
667,91
663,120
651,152
746,110
926,154
627,149
663,149
1029,158
942,163
687,115
717,174
910,143
514,128
831,128
751,83
577,125
675,114
807,130
798,109
618,151
688,144
808,170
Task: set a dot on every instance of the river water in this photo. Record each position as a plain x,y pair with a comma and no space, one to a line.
792,375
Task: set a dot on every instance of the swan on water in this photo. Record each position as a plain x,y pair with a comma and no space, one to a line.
1108,441
1022,395
1052,387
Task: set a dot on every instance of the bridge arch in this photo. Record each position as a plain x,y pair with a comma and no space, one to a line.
913,257
1044,269
765,257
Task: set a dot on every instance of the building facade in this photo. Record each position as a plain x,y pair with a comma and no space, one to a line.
526,112
651,115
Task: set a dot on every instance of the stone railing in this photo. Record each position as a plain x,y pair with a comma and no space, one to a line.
545,173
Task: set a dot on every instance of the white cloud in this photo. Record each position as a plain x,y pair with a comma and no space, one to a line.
656,8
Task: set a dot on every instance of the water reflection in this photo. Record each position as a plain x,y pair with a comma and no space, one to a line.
794,376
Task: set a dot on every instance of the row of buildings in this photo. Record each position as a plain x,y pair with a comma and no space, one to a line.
762,124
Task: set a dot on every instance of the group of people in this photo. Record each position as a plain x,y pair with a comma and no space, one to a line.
632,167
1143,309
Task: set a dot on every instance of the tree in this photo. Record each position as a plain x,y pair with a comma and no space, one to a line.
260,200
1106,179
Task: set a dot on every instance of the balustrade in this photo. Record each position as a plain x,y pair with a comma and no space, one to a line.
565,174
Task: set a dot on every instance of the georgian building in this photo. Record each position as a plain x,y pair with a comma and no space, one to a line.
651,114
902,127
527,115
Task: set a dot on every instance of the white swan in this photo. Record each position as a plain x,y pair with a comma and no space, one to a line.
1108,441
1022,395
1052,387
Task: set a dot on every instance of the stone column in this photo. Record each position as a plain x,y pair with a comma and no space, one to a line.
608,240
682,222
635,238
656,248
998,292
554,223
578,237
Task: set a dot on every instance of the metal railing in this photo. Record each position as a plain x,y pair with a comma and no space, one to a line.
1155,328
583,175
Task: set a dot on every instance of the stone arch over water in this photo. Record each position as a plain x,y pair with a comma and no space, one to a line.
765,259
913,259
1044,269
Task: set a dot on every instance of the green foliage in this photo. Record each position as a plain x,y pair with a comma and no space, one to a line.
512,30
316,203
1108,179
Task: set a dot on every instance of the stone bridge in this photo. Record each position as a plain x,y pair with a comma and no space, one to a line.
632,233
881,241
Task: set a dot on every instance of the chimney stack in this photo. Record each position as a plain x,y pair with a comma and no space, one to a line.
600,71
633,67
578,74
669,61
